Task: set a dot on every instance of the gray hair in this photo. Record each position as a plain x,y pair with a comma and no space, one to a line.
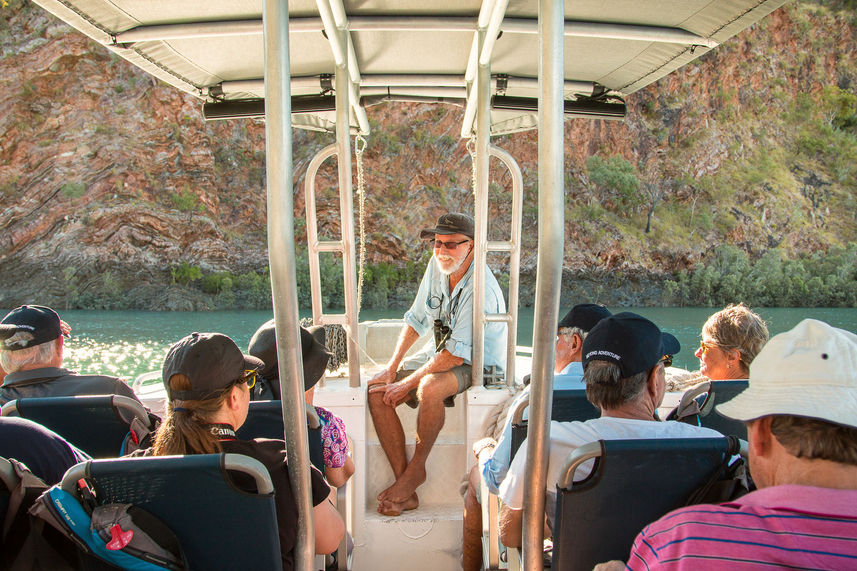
605,388
570,331
29,358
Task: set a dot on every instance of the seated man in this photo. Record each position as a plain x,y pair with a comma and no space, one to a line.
802,430
624,357
494,457
442,369
32,354
47,454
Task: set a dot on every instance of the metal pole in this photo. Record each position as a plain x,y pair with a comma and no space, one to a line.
549,273
480,211
281,252
346,213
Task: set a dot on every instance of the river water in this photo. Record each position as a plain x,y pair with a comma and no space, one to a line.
128,343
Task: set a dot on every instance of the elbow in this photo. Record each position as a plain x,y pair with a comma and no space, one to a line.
338,477
329,528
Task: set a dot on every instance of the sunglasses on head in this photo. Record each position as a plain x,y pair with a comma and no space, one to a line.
448,245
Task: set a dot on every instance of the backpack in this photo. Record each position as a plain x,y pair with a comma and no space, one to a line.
23,492
729,481
124,535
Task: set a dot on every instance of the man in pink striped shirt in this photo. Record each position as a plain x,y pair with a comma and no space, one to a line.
801,414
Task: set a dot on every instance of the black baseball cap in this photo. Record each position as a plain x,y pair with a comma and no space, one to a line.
212,362
584,316
630,341
315,355
451,223
36,324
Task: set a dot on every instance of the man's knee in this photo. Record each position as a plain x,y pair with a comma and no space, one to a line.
437,386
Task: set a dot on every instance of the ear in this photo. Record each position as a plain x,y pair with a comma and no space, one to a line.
760,437
234,399
576,343
652,381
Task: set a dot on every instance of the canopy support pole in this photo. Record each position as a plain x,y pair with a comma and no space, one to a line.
281,252
549,274
480,212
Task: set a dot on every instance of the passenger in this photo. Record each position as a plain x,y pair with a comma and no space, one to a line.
624,357
731,339
338,464
493,457
32,358
441,370
208,384
800,415
47,454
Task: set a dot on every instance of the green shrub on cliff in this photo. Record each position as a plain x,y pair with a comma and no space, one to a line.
729,276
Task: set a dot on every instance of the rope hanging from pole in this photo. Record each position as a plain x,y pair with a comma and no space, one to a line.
359,147
471,148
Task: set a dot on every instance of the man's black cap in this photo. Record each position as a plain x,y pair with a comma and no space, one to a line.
451,223
584,316
28,326
212,362
315,356
630,341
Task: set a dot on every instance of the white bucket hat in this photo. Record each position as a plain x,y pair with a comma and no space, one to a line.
809,371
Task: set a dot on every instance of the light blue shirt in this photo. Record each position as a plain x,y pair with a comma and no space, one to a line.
496,467
455,309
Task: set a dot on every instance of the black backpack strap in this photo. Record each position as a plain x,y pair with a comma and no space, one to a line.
29,488
38,553
726,482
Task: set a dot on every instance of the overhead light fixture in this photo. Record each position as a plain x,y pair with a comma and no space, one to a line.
249,108
588,108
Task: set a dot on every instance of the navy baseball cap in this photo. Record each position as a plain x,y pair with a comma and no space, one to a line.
630,341
211,361
28,326
584,316
451,223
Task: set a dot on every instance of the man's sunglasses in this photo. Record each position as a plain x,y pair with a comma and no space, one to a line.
667,360
448,245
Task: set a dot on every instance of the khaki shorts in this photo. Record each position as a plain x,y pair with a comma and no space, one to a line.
462,374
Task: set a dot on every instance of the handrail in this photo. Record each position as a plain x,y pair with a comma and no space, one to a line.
345,246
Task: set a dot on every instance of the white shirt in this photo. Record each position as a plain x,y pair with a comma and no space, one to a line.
567,436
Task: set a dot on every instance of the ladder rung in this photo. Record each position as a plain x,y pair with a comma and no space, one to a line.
329,246
499,246
498,317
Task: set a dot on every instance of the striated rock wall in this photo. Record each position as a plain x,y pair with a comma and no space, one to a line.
109,179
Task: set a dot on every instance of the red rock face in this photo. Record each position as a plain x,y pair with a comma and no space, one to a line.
105,170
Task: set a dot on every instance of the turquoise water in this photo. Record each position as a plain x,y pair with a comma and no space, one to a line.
128,343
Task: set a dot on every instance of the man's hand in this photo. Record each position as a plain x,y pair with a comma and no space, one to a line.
385,377
398,392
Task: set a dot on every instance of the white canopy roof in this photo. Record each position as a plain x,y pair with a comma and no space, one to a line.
413,49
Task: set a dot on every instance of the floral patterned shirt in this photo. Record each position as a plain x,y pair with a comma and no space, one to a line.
333,438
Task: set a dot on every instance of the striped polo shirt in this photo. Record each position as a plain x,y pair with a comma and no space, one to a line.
793,527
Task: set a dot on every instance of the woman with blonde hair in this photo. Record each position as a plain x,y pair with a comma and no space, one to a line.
208,382
731,339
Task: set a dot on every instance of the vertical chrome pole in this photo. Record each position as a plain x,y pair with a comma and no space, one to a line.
281,253
480,212
346,213
549,273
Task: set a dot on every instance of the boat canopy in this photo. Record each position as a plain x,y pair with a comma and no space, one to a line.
410,50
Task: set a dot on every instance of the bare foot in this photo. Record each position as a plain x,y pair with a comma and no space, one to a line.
389,508
405,486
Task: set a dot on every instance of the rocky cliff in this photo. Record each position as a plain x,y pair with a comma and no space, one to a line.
115,193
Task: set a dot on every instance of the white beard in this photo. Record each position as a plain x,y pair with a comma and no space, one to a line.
448,264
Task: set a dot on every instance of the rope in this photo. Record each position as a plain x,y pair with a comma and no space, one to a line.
336,343
471,148
359,147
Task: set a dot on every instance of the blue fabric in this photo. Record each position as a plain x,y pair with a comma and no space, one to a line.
69,510
496,467
455,309
47,454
